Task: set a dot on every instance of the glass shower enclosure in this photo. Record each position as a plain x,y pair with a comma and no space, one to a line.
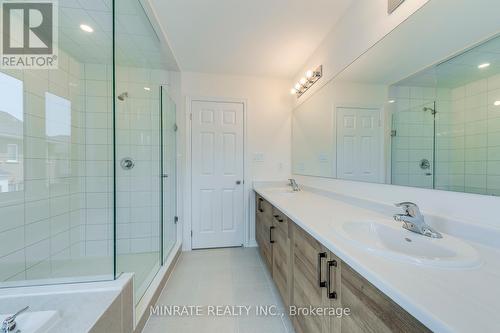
84,149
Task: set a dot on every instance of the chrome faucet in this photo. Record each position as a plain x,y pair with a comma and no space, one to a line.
9,324
413,220
294,185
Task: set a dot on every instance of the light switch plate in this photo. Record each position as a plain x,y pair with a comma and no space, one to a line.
258,157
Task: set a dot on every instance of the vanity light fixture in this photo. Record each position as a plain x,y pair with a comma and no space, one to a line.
486,64
497,103
86,28
306,82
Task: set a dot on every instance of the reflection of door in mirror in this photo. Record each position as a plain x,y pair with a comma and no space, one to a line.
359,144
412,134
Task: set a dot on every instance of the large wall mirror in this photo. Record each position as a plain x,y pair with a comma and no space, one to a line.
404,115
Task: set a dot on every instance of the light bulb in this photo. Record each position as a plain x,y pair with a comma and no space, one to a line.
303,81
297,86
293,91
86,28
309,74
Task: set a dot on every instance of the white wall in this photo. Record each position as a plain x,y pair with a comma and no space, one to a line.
365,23
268,124
314,128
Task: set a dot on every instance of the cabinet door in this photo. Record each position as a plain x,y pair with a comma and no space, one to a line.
281,259
309,284
371,310
263,230
258,221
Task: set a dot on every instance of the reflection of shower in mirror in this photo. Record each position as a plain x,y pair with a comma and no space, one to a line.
122,96
433,111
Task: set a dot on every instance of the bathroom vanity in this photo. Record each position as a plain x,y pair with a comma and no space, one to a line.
307,274
329,250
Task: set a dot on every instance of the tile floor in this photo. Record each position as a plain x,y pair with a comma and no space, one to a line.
235,276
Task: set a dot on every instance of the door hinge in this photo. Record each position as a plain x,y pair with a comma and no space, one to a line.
191,233
176,219
394,133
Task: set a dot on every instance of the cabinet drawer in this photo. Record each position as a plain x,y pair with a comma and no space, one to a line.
281,221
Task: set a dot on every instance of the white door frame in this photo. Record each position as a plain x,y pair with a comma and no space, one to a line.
188,221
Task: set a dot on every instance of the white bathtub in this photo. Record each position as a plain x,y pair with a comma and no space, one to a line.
79,307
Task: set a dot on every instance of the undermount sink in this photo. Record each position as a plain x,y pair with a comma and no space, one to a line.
396,243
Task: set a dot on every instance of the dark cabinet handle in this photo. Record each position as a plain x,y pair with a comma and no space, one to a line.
260,205
271,235
321,255
277,217
331,293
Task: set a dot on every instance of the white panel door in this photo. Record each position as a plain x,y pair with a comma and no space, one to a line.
359,144
217,174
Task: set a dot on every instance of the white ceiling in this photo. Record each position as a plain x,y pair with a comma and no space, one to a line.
257,37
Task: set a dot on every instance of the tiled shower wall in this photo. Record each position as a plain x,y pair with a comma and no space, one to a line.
138,137
59,214
414,135
468,144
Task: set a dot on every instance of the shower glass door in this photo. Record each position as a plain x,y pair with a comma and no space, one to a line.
138,78
413,151
169,129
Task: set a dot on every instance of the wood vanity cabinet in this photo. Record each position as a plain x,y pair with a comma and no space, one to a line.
307,274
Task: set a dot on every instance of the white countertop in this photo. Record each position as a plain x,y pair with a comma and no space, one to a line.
445,300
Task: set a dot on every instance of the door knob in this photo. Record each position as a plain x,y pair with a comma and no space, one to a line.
238,182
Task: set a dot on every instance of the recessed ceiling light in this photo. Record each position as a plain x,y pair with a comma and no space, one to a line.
147,88
86,28
497,103
391,101
486,64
